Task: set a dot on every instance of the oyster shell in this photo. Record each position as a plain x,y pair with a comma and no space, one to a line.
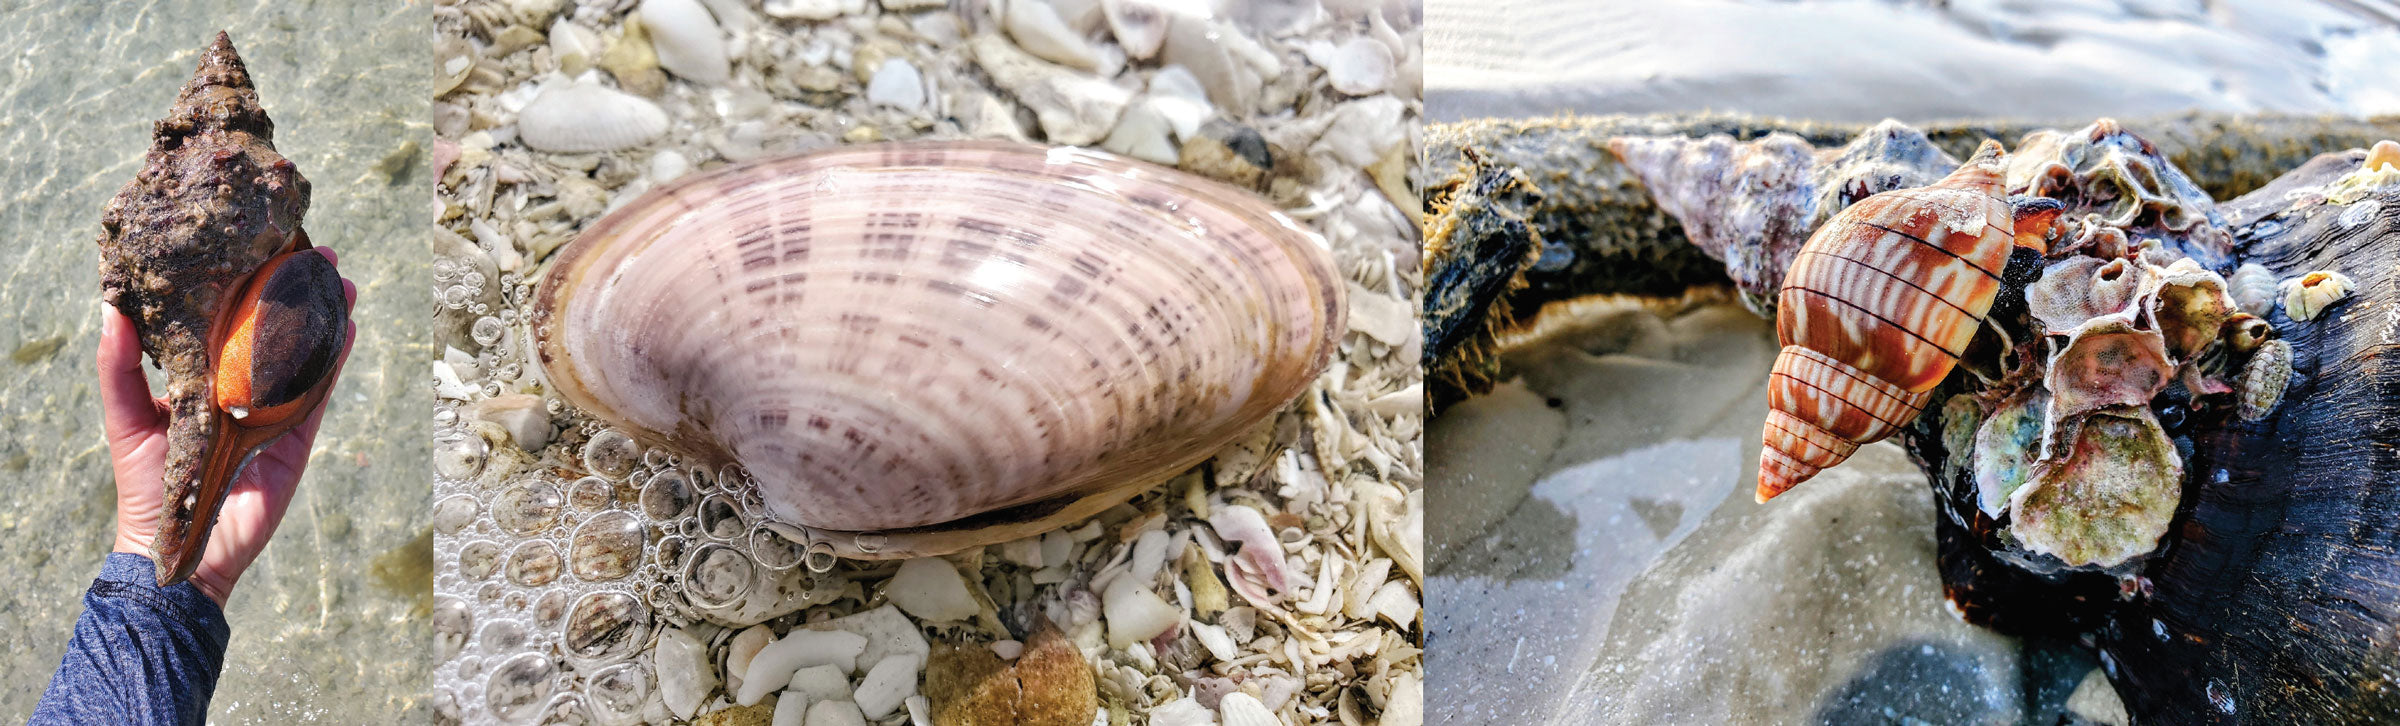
946,343
199,252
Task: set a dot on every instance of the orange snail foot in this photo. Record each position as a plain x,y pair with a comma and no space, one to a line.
2035,219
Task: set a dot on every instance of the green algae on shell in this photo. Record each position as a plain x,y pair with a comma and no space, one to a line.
2109,499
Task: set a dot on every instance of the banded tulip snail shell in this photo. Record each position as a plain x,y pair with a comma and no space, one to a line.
1877,307
942,343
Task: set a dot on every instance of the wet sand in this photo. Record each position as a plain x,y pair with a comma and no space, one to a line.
1598,525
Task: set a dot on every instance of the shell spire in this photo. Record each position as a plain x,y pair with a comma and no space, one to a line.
1875,311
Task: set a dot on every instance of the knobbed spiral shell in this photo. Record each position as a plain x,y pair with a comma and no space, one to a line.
946,343
1874,312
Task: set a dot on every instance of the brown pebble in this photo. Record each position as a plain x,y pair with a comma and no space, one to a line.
1050,684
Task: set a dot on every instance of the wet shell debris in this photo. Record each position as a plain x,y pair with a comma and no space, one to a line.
670,594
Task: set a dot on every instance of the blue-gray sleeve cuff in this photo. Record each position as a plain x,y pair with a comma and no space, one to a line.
142,654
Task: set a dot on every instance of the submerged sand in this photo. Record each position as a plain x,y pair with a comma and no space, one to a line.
1598,558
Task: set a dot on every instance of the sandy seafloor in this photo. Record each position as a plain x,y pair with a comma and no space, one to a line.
327,626
1595,514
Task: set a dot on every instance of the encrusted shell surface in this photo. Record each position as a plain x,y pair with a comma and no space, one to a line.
1874,313
2110,361
582,118
2191,308
2110,500
2081,288
954,336
2007,446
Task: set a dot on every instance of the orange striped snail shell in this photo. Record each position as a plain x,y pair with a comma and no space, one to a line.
1874,312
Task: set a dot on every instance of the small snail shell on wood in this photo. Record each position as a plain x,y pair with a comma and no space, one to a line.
947,344
1875,311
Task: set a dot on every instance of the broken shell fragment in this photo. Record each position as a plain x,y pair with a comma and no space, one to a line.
2307,296
581,118
950,343
2110,499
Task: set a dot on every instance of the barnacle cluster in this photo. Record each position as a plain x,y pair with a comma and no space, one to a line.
2131,331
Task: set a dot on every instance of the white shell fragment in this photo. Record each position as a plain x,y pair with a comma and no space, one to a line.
684,674
1360,67
687,39
887,684
897,84
931,589
821,683
912,335
1242,709
774,665
582,118
1140,26
835,713
1134,613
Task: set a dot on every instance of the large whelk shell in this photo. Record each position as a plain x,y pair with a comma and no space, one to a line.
946,343
204,252
1874,312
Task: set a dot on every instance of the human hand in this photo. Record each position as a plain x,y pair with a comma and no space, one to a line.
136,428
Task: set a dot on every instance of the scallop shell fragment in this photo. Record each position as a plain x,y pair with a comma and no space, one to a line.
950,344
583,118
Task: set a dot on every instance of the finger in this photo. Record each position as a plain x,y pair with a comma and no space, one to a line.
125,405
329,255
350,292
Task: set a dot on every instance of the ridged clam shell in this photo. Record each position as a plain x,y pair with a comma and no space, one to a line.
583,118
960,336
1875,311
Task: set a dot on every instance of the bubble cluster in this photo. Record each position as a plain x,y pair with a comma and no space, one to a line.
551,578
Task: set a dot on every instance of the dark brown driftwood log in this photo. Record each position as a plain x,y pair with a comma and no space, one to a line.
2277,596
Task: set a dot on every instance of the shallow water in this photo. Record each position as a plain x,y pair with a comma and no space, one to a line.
327,626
